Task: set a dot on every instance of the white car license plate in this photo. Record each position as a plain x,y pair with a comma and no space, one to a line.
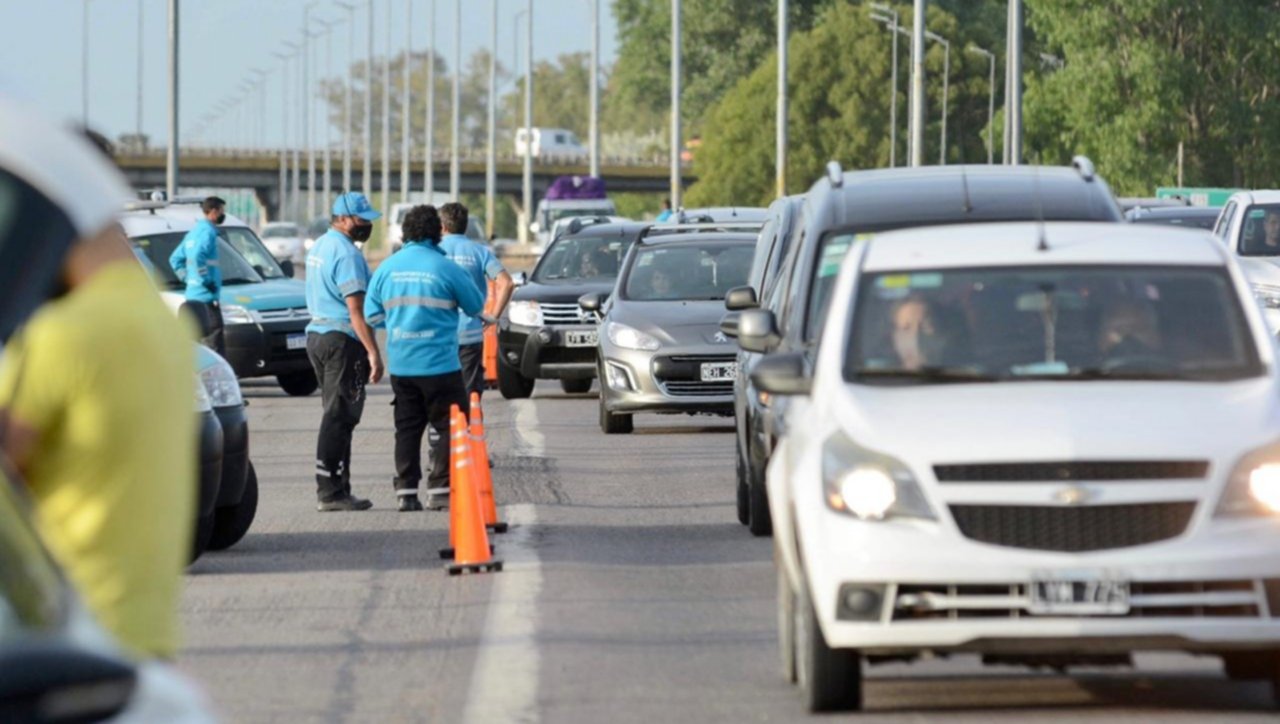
1079,595
581,339
719,371
296,341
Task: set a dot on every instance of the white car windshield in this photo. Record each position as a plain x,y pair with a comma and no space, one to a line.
1110,322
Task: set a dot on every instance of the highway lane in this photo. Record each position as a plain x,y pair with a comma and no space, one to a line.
631,595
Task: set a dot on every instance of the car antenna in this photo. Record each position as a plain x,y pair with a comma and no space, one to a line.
964,184
1043,243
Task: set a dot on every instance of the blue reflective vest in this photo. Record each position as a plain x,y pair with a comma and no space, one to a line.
195,261
416,294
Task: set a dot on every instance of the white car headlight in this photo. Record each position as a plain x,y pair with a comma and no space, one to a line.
631,338
525,314
236,314
1267,295
869,485
221,384
1254,486
203,403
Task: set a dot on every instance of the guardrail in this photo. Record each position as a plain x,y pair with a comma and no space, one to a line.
468,156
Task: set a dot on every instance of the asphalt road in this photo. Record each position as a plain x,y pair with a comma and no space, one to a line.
630,594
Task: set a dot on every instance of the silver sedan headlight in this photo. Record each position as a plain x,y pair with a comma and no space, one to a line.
631,338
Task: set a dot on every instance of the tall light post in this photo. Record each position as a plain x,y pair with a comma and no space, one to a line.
594,133
429,151
366,185
386,114
171,156
889,16
946,88
675,104
455,121
491,151
405,102
1014,103
307,96
526,185
991,100
346,105
84,66
285,102
138,125
917,84
327,173
780,152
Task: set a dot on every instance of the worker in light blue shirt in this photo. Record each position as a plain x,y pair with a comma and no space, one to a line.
341,344
481,266
195,262
417,295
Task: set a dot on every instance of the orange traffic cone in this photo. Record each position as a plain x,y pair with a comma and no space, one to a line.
480,468
457,469
471,539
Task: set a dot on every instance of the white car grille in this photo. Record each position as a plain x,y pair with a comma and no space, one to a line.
283,315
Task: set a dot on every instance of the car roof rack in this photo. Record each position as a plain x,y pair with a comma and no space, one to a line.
141,205
581,222
677,229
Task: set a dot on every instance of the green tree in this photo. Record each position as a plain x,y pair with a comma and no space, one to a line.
561,95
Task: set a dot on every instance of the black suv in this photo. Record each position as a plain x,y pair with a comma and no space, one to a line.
544,334
843,206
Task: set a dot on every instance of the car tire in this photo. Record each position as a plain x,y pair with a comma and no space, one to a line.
830,679
760,525
612,423
576,387
744,501
299,384
513,385
230,523
786,623
202,533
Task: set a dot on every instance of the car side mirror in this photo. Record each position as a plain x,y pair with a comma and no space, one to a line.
286,266
782,374
740,298
50,681
758,330
519,279
591,302
729,325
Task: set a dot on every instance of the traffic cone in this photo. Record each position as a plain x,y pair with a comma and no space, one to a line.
480,468
457,469
471,540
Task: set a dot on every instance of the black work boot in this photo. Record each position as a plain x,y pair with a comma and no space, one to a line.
410,503
345,503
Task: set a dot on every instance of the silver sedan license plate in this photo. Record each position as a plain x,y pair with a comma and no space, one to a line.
296,341
581,339
1079,596
719,371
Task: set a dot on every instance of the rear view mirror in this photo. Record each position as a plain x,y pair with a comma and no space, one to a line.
782,374
286,266
51,681
758,330
729,325
591,302
519,279
740,298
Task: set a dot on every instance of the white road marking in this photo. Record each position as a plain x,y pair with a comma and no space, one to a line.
504,682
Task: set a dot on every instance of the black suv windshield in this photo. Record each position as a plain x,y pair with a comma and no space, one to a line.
582,259
159,247
1062,323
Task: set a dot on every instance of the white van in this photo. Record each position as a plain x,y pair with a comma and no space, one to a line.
554,143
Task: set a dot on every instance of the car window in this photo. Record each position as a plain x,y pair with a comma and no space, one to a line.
279,232
831,252
1260,232
253,250
1079,322
582,259
688,272
159,247
32,591
34,232
764,248
1223,226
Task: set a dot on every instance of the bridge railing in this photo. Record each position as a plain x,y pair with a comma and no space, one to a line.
440,158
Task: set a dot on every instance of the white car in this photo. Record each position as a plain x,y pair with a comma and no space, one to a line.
556,144
1051,445
286,241
395,233
1242,226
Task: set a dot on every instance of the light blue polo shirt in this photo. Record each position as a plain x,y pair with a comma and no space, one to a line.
480,265
335,270
195,262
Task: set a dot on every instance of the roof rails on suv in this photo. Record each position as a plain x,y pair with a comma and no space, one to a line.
582,222
674,229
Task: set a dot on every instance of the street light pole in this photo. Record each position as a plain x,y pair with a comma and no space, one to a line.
84,66
455,161
780,160
329,25
891,16
404,101
429,182
346,105
171,157
526,189
946,87
594,133
1015,82
366,185
675,104
307,97
491,159
284,133
138,126
386,114
991,100
917,84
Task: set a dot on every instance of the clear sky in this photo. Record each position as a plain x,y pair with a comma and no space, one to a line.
222,40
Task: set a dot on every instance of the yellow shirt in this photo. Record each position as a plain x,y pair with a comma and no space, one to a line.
105,377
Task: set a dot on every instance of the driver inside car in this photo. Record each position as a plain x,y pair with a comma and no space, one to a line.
1129,329
925,334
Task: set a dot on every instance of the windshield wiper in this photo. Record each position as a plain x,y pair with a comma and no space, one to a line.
928,374
239,280
1098,373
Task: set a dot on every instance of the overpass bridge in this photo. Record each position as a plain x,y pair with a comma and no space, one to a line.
260,170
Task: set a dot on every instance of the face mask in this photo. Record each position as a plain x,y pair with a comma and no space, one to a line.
361,232
221,218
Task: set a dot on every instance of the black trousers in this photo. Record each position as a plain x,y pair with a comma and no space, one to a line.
472,358
342,367
208,316
423,401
